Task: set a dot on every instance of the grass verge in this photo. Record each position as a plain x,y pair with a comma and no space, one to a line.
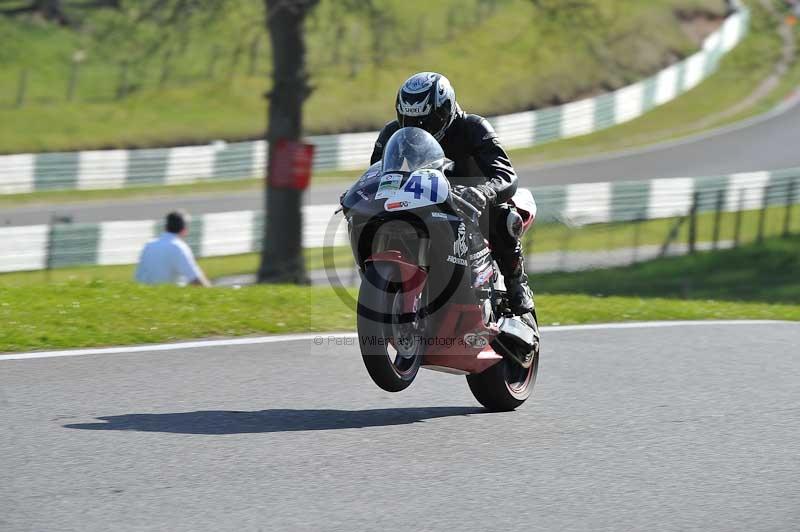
740,73
763,273
149,84
754,282
80,314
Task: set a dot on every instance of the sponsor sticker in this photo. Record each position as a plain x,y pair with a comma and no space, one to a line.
396,205
480,254
389,185
483,276
460,244
475,340
457,260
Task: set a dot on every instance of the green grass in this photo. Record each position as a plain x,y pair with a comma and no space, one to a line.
545,60
753,282
81,314
740,73
78,313
763,273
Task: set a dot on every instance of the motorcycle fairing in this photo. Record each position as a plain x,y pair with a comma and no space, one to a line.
412,277
467,341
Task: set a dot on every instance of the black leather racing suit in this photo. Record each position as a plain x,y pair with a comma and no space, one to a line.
472,144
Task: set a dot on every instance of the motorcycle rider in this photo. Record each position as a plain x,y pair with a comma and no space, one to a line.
482,174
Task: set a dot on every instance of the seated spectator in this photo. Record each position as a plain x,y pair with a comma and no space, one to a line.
168,259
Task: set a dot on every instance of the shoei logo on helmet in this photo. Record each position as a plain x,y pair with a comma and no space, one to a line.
419,82
421,108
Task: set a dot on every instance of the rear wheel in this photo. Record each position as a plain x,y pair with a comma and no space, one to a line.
391,347
506,385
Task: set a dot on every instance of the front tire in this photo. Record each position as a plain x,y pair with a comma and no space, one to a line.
506,385
392,351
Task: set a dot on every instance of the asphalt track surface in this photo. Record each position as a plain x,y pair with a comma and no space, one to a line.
768,142
674,428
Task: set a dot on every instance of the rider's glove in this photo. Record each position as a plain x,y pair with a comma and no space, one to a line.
480,196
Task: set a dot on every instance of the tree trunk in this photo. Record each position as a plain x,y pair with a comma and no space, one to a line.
282,254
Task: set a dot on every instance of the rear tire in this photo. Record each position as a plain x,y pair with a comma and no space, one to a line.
379,330
506,385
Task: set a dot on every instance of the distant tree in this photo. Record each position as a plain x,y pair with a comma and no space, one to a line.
282,257
282,254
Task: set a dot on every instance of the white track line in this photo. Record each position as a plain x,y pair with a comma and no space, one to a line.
307,337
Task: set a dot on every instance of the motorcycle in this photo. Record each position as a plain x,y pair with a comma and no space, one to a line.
431,295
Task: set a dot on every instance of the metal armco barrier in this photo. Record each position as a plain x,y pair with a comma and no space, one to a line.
350,151
229,233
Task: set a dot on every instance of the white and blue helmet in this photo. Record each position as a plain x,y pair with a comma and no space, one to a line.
427,100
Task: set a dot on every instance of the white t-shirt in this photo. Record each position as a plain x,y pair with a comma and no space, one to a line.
167,259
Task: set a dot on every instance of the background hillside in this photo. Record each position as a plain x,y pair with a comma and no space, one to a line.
108,80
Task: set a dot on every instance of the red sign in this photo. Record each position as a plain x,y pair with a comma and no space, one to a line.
290,165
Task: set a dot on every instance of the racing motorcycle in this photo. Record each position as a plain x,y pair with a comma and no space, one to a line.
431,295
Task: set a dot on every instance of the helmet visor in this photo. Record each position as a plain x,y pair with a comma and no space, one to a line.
433,123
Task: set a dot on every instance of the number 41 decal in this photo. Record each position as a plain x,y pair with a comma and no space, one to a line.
414,186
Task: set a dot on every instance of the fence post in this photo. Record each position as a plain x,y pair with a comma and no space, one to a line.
718,218
693,223
787,220
51,231
22,87
562,266
737,225
762,216
637,233
48,259
672,235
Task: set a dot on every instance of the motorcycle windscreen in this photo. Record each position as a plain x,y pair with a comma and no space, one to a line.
412,148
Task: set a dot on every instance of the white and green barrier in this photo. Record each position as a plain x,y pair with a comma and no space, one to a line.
350,151
120,242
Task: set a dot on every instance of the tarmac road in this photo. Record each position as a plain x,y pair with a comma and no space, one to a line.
768,142
654,428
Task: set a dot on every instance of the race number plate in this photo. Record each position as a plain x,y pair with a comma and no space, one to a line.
423,188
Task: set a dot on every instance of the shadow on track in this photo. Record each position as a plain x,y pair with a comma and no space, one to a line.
274,420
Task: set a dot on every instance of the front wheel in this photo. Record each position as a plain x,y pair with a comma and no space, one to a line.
506,385
392,348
